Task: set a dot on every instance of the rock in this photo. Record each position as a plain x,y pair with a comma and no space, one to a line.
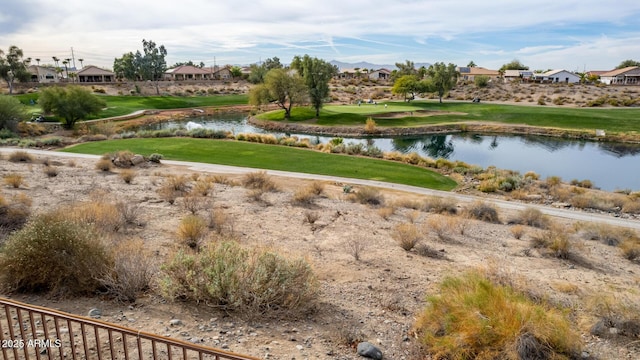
533,197
94,313
367,349
175,322
137,159
299,347
561,205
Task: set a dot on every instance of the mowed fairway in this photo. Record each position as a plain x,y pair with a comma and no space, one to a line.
273,157
417,113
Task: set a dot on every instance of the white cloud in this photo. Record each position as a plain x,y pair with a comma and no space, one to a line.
242,31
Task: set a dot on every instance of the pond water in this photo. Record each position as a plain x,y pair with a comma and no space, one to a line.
609,166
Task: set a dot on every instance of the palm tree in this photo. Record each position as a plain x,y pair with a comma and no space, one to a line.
38,61
81,60
66,70
55,60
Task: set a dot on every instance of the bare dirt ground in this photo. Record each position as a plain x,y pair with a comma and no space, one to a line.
376,298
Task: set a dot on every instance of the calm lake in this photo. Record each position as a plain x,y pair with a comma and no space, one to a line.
609,166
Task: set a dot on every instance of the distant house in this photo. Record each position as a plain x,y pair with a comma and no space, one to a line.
625,76
223,73
518,75
43,74
380,74
92,74
470,73
188,72
348,73
556,76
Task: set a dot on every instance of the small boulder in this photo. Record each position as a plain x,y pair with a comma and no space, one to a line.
137,160
368,350
175,322
94,313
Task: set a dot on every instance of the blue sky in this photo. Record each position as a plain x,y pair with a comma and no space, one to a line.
542,34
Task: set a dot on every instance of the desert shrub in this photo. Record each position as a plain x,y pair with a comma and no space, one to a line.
367,195
355,246
555,241
386,212
310,217
191,230
53,253
14,212
50,171
630,249
103,215
483,211
303,196
127,175
607,234
614,312
194,203
481,81
440,205
474,318
631,206
222,180
370,126
489,185
427,251
407,235
220,222
203,186
167,193
14,180
517,231
439,226
129,213
179,183
20,156
531,175
104,165
552,181
317,187
155,158
131,272
531,217
408,203
259,180
250,281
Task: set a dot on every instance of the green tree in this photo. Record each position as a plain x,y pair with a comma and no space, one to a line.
282,87
515,64
12,67
471,64
236,72
258,71
405,85
71,103
11,112
152,65
125,67
188,63
628,63
408,68
481,81
316,74
443,77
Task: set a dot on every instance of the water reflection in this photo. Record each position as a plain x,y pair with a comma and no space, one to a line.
608,165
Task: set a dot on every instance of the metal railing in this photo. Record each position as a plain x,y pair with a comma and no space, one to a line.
34,332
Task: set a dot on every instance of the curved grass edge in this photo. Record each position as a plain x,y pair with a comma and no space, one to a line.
274,157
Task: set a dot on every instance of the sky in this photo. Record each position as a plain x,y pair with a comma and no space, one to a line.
542,34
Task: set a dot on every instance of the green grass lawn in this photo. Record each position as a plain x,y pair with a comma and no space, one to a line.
610,119
273,157
123,105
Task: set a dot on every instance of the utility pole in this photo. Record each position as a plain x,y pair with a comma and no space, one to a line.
74,59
